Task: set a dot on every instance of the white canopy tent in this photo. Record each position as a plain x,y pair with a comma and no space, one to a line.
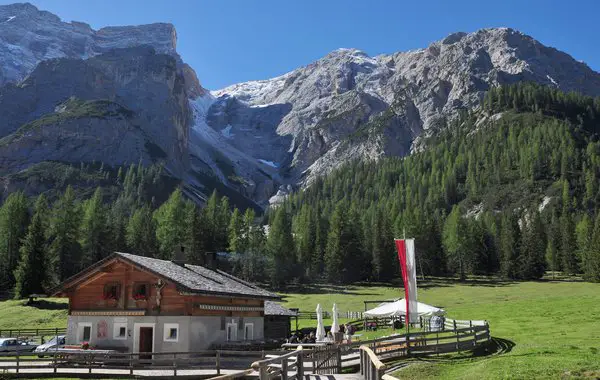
398,308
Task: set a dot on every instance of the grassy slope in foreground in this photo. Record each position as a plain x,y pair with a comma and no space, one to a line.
554,326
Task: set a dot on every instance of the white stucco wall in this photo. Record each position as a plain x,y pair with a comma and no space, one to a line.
195,333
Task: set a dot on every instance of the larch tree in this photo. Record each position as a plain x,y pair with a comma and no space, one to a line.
64,250
30,274
279,249
170,225
94,231
13,226
141,233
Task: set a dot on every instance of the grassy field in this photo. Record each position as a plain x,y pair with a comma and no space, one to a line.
551,329
50,312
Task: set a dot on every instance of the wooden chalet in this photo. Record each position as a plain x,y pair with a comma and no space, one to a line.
139,304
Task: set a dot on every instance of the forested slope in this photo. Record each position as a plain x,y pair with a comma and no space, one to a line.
511,188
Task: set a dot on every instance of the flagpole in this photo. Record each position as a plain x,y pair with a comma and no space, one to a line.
407,311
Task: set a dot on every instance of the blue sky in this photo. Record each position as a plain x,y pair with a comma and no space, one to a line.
230,41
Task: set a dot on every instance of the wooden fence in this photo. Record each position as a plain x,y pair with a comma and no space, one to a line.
371,368
280,367
131,364
30,333
462,336
289,365
329,315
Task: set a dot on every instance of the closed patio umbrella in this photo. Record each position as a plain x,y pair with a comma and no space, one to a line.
320,335
335,327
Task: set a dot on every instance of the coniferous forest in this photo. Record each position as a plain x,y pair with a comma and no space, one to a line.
510,189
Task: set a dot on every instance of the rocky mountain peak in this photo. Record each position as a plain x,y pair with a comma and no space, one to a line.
348,105
29,36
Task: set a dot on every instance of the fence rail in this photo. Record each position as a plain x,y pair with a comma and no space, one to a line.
210,362
28,332
329,315
463,336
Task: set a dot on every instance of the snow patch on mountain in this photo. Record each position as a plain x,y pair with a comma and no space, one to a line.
269,163
226,132
254,92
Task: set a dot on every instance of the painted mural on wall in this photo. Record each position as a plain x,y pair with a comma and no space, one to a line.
102,329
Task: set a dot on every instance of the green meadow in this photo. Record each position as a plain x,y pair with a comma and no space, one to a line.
548,329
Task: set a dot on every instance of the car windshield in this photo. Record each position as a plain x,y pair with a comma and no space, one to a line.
61,340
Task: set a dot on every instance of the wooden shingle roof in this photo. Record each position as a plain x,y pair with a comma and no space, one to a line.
188,278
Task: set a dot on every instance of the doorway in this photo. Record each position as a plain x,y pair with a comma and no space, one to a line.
143,339
146,338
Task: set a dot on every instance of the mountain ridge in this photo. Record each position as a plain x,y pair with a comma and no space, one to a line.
414,93
266,138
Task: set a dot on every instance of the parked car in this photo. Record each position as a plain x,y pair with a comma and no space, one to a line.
54,343
14,345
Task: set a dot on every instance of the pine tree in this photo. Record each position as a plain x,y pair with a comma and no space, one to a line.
141,233
509,246
551,256
237,233
281,254
532,263
455,241
238,238
170,225
568,247
64,250
253,261
334,252
94,231
304,238
194,234
30,274
591,257
13,226
583,237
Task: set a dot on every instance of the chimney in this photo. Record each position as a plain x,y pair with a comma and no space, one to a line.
179,255
210,260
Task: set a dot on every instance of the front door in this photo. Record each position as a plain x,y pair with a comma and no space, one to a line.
146,336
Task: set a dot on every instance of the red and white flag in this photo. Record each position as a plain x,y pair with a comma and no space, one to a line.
406,256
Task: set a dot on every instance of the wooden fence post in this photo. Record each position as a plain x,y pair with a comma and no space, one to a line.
339,359
218,359
131,364
284,369
17,361
300,366
457,341
174,364
54,361
263,374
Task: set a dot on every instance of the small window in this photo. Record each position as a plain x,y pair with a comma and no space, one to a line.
171,333
84,332
249,331
140,291
87,333
232,331
120,330
111,291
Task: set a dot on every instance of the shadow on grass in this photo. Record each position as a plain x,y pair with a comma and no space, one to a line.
47,305
496,346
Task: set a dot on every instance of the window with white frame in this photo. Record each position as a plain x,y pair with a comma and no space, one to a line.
120,330
232,331
171,332
84,331
249,331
